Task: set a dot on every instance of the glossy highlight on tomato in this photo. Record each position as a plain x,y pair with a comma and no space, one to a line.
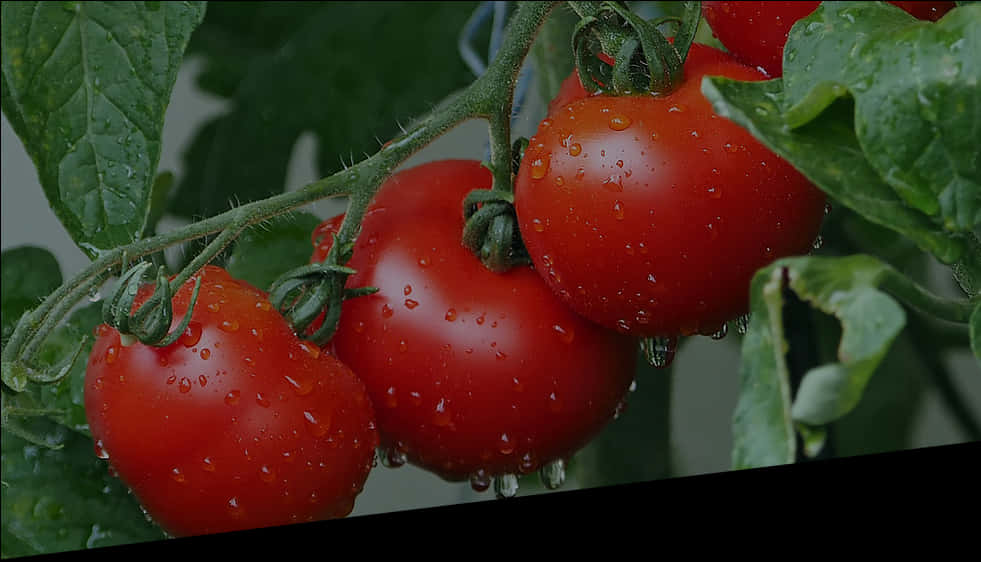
649,215
237,425
473,374
756,32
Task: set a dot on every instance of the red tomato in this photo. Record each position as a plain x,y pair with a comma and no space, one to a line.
473,373
651,214
755,32
237,425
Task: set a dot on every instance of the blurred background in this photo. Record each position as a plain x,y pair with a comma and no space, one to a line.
701,387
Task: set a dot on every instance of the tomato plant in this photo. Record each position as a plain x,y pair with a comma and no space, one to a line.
238,424
473,374
755,32
650,215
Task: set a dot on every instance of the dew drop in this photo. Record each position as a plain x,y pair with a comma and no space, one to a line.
394,457
818,242
441,416
203,381
214,307
207,464
403,346
566,335
721,332
504,445
827,208
618,210
538,225
387,311
552,474
185,385
301,385
480,320
263,305
407,290
450,315
267,474
111,354
171,379
575,149
192,334
261,400
613,183
205,354
714,192
659,351
619,122
311,349
177,476
506,486
539,167
677,108
480,481
742,324
100,450
233,397
559,181
234,509
230,326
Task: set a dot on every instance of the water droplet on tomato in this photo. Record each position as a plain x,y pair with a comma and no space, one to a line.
500,355
391,400
552,474
480,481
425,262
642,317
230,326
441,416
538,225
539,167
205,354
233,397
203,381
311,349
677,108
618,210
659,351
559,181
207,464
575,149
407,290
554,403
504,445
177,476
742,324
827,208
234,508
387,311
566,335
214,307
410,304
100,450
450,315
613,183
721,332
480,320
619,122
714,192
185,385
729,147
403,346
111,353
261,400
301,385
394,457
818,242
506,486
191,335
263,305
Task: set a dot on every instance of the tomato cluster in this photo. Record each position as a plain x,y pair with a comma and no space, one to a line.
644,216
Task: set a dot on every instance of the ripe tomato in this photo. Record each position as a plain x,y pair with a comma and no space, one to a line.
236,425
651,214
472,373
755,32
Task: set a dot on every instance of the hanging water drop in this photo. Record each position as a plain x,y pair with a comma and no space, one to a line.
553,474
480,480
818,242
721,332
659,351
742,324
394,458
506,486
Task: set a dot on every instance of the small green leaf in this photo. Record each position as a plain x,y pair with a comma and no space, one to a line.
86,89
870,321
61,500
827,152
28,274
915,85
551,52
265,252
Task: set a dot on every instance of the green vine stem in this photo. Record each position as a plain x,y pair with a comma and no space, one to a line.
916,296
489,98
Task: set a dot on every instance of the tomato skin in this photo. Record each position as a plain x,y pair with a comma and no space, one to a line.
650,215
469,370
756,32
237,425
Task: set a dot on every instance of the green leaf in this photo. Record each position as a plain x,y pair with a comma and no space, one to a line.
28,274
915,85
870,321
265,252
347,72
61,500
85,87
827,153
552,52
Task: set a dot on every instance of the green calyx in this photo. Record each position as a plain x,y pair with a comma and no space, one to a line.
643,60
150,323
